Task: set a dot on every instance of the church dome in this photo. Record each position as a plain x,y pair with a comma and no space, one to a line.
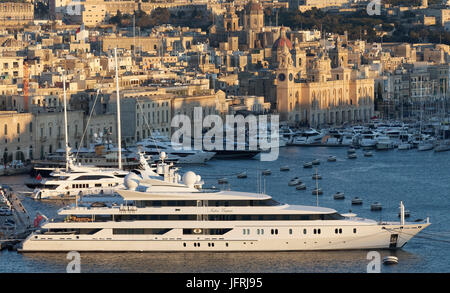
282,41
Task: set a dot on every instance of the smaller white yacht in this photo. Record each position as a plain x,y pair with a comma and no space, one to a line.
442,146
307,138
79,180
156,144
425,145
368,139
384,143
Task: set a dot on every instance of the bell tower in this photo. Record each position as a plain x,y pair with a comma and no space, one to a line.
285,84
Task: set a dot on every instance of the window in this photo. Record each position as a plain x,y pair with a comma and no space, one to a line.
354,230
290,231
304,231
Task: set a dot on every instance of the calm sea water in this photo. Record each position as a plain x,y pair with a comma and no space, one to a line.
420,179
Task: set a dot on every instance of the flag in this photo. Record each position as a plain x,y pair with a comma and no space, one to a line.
39,177
37,220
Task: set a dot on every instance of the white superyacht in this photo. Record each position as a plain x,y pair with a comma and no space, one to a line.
176,214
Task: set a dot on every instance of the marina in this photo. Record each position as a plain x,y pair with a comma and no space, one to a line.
389,186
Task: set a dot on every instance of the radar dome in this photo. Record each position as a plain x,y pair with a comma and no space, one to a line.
131,181
189,178
163,156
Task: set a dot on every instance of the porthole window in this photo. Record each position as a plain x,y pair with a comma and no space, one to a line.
318,231
336,231
290,231
354,230
340,230
304,231
314,231
184,244
226,244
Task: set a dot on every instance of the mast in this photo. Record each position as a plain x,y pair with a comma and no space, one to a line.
65,123
119,135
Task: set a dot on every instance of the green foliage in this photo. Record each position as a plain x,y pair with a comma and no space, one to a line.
160,16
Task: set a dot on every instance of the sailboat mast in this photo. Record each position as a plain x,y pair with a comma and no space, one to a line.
119,135
65,122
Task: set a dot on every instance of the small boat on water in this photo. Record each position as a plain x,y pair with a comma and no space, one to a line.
442,146
317,191
368,154
223,181
339,195
376,206
266,172
332,159
294,181
316,176
357,201
390,260
404,146
307,165
351,151
352,156
242,175
425,146
301,186
284,168
407,214
316,162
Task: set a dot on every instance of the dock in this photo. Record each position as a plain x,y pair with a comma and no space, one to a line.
15,223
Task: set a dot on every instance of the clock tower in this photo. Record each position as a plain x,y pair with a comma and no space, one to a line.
284,82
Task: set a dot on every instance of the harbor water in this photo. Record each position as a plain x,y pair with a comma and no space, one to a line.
420,179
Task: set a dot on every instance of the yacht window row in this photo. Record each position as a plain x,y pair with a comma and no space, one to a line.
103,218
210,203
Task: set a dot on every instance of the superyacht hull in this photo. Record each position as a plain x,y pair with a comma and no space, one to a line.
390,236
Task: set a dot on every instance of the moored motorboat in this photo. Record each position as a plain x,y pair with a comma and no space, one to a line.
300,186
339,195
307,165
284,168
222,181
266,172
357,201
351,150
368,154
294,181
331,159
242,175
316,176
352,156
317,191
316,162
404,146
376,206
390,260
